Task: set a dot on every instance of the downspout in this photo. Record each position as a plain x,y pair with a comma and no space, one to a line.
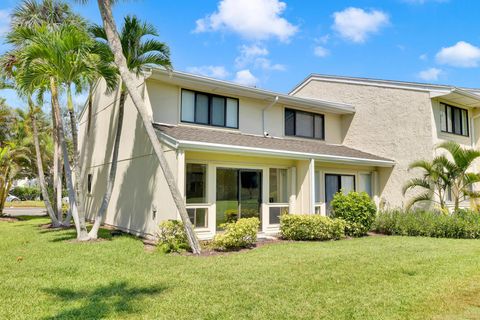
472,129
265,133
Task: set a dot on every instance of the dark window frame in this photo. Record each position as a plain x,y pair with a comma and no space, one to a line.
210,108
313,114
89,183
339,178
445,106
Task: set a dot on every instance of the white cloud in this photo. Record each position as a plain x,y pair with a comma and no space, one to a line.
323,39
356,24
246,78
252,19
248,54
423,57
320,51
256,55
431,74
4,21
218,72
462,54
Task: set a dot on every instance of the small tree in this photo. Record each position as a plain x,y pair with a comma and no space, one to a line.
444,173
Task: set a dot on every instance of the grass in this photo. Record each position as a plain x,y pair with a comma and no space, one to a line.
25,204
45,276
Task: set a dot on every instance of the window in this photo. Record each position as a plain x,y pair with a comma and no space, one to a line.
365,183
196,183
89,182
335,183
198,217
278,192
453,120
274,214
195,191
304,124
208,109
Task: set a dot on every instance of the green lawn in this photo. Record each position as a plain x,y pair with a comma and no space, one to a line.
25,204
42,275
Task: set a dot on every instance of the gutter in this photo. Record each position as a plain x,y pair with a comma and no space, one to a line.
206,146
265,132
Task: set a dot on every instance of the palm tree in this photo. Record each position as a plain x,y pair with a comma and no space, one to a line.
139,54
42,60
28,15
433,182
115,43
12,156
448,172
458,164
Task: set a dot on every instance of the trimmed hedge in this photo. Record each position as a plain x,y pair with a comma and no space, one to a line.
311,227
237,235
172,237
357,209
464,224
26,193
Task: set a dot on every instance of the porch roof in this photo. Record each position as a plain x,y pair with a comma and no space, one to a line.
220,140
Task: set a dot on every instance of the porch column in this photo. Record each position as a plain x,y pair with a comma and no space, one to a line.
311,175
293,189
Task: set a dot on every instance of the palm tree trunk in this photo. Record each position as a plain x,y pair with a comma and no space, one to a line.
113,169
85,145
7,184
41,175
57,173
80,224
128,79
76,163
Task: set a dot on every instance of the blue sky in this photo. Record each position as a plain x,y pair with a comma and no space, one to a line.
274,44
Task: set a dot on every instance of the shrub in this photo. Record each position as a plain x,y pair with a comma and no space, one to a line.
172,236
239,234
357,209
26,193
311,227
463,224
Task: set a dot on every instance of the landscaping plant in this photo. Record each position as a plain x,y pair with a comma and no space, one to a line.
357,209
172,237
463,224
237,235
311,227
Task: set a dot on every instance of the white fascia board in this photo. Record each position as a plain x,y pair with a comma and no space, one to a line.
425,87
206,146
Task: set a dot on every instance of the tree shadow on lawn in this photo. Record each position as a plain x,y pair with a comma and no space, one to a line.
69,234
102,301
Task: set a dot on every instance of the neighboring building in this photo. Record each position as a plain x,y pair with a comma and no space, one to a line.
243,151
398,120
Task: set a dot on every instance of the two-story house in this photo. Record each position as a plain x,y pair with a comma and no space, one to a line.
241,151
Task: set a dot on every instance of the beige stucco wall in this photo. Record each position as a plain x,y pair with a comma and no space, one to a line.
389,122
165,99
139,189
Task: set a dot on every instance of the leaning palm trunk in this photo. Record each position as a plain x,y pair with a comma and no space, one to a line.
113,169
41,175
80,224
128,79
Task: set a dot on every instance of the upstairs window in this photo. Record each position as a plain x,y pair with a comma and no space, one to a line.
453,120
208,109
304,124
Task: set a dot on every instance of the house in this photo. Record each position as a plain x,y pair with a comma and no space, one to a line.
241,151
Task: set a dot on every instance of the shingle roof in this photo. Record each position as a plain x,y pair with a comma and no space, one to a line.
183,134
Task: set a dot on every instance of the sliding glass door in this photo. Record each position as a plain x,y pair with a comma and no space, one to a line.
336,182
239,194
